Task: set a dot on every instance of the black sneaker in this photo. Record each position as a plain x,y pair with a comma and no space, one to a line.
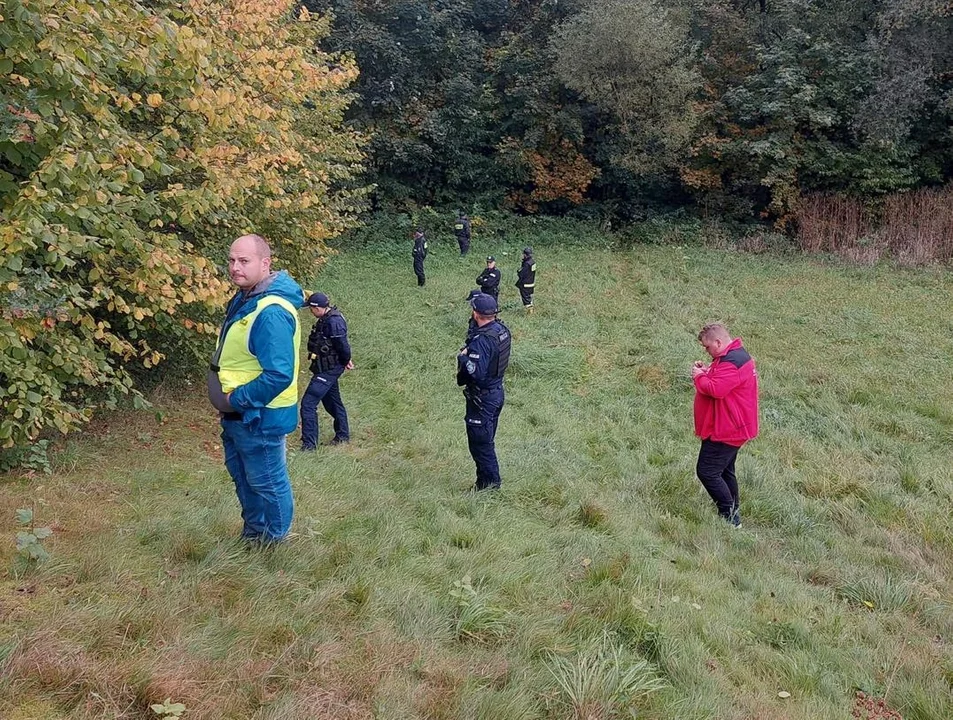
492,486
735,518
340,441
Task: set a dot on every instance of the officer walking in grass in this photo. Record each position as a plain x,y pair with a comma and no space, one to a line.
489,279
481,365
419,253
461,228
526,279
726,415
330,355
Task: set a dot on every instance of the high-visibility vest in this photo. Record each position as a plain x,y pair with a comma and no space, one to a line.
237,366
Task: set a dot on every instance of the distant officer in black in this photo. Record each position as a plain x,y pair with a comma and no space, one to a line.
526,279
489,279
480,368
330,355
461,228
420,253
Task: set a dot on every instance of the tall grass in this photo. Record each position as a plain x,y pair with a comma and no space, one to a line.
599,582
914,228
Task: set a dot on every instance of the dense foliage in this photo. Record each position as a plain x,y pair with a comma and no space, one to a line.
742,105
137,141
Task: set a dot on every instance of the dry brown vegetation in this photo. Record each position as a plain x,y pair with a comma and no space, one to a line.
914,228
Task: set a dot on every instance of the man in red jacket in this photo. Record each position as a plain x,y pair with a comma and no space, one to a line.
726,415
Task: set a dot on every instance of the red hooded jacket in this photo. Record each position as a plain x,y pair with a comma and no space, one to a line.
726,398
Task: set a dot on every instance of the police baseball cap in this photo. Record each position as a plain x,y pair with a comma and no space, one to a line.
490,258
473,293
484,304
527,250
318,299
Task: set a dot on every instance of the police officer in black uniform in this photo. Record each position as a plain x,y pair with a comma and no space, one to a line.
480,368
420,253
461,228
489,279
330,355
526,279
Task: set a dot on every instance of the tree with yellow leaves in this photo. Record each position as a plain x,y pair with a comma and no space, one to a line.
135,143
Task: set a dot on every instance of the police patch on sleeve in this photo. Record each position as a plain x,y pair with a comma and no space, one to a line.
471,367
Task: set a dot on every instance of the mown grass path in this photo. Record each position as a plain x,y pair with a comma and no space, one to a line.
597,582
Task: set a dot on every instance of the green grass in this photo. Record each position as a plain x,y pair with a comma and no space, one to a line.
598,583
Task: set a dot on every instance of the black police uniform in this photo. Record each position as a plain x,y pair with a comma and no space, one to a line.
489,281
420,253
329,351
480,371
526,280
461,229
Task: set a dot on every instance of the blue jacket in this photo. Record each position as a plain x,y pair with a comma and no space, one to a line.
271,340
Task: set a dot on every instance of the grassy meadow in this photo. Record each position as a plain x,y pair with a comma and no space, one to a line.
598,583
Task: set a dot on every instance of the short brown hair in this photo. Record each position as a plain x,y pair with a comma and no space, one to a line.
713,330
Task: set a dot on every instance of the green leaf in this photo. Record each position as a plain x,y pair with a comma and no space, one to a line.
37,552
42,533
6,66
24,516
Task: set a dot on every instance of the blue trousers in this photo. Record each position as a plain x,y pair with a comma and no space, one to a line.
323,388
483,415
257,464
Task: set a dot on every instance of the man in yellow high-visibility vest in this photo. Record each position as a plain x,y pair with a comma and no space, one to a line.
252,382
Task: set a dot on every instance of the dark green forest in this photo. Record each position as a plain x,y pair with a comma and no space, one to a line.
621,109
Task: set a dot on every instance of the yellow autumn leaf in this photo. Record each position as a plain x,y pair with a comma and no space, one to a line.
154,100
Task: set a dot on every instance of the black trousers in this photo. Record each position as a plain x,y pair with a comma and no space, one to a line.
716,470
419,271
482,418
526,295
464,242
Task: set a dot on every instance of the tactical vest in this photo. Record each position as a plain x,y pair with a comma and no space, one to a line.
322,353
237,366
501,334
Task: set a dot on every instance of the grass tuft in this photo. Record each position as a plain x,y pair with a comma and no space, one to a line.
592,515
602,681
